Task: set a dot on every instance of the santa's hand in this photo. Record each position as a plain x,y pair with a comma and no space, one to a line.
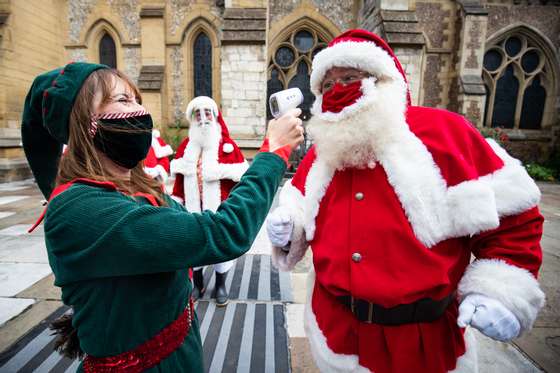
151,172
286,130
279,226
489,316
182,166
211,172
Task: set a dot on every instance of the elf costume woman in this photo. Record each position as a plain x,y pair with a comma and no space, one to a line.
118,246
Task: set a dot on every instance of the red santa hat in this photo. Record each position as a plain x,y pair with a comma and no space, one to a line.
358,49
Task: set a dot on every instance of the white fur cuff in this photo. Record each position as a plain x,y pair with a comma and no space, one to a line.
181,166
233,171
515,287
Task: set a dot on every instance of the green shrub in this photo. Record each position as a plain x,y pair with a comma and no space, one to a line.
539,172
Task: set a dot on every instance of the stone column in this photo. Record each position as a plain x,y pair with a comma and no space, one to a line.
151,76
471,96
244,75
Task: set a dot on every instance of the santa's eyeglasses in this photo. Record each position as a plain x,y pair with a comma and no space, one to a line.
200,113
348,78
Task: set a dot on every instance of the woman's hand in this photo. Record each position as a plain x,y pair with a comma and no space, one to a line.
286,130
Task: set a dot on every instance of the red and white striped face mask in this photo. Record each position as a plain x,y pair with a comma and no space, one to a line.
124,137
114,118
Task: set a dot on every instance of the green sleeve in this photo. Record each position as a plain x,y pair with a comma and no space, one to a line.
92,232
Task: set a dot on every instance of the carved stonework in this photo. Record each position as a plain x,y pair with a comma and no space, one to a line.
132,62
474,45
179,9
129,13
78,55
78,12
473,113
432,84
434,31
341,13
177,79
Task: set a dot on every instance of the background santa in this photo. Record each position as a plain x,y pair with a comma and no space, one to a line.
393,199
207,166
156,163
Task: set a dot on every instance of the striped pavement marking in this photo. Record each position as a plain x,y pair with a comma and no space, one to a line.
247,336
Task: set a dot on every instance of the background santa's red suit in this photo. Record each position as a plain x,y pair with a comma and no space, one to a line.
157,163
220,158
404,227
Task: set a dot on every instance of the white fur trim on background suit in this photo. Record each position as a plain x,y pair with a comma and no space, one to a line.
161,151
291,200
515,287
233,171
181,166
326,359
211,196
162,173
365,56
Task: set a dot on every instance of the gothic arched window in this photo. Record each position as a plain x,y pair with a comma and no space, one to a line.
290,65
108,51
517,78
202,61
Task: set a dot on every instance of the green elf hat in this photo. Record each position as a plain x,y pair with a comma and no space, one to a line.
46,115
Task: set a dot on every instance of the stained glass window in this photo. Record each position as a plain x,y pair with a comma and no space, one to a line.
516,80
290,65
107,51
202,63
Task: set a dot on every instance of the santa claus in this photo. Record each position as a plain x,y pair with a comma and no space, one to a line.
207,166
156,163
393,199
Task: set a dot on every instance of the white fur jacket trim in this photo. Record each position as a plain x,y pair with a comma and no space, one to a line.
515,287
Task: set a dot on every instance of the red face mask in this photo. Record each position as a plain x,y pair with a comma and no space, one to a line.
340,96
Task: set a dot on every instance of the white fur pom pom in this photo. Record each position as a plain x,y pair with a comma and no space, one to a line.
228,148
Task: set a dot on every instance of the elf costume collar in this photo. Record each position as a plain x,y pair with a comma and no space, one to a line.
101,184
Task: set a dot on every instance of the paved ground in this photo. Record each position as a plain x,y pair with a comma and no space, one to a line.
27,298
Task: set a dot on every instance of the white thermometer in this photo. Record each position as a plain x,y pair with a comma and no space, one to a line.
281,102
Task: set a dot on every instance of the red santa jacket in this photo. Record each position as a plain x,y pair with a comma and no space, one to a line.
156,162
436,195
231,166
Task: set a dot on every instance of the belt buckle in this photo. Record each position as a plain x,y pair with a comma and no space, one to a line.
370,313
352,305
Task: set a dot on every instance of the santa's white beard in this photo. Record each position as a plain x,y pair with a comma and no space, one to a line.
355,136
206,135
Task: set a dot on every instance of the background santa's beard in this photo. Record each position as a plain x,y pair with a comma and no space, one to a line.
206,135
355,136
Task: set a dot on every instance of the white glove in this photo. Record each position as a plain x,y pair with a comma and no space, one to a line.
279,226
489,316
211,172
151,172
182,166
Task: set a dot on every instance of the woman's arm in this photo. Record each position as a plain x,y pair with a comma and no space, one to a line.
94,233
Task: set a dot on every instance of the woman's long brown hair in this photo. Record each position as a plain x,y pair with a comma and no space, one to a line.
81,159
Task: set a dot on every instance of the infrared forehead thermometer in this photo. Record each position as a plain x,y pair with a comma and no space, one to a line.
281,102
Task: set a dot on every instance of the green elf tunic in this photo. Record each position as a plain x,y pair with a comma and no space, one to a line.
123,264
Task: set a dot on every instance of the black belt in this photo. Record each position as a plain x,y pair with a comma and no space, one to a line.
423,310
